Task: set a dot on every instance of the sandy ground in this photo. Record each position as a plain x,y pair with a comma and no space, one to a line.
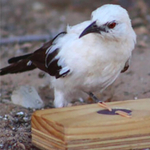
24,17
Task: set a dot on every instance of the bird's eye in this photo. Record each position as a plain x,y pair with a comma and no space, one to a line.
111,25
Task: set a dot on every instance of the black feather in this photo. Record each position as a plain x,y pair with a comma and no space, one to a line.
16,59
18,67
37,59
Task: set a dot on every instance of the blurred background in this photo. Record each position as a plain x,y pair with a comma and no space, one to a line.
49,17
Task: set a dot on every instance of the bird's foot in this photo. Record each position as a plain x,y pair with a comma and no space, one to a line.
123,114
102,104
119,112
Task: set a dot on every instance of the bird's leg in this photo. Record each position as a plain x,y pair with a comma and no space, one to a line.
100,103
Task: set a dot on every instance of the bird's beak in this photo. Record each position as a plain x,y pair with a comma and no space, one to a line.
92,28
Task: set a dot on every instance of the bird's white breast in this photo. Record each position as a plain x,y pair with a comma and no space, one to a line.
94,63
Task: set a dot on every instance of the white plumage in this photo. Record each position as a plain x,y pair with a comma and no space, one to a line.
88,57
95,60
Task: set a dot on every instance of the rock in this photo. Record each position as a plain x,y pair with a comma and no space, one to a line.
27,96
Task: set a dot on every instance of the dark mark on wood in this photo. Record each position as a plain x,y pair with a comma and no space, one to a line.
107,112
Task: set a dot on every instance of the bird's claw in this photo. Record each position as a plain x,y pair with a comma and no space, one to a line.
102,104
122,113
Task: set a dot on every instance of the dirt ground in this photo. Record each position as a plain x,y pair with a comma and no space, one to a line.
25,17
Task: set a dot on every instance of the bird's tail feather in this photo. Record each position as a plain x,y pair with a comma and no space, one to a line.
17,65
29,61
16,59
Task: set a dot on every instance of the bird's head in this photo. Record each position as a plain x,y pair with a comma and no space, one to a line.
109,21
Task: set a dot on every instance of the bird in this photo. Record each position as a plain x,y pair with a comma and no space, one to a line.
86,58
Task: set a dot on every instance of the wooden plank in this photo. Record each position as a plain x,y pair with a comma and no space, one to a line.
90,127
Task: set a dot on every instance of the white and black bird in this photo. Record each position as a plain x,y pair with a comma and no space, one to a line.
88,57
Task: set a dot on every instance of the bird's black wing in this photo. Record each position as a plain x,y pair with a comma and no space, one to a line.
38,59
18,67
126,66
47,60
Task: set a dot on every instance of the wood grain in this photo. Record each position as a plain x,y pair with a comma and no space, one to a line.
83,128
